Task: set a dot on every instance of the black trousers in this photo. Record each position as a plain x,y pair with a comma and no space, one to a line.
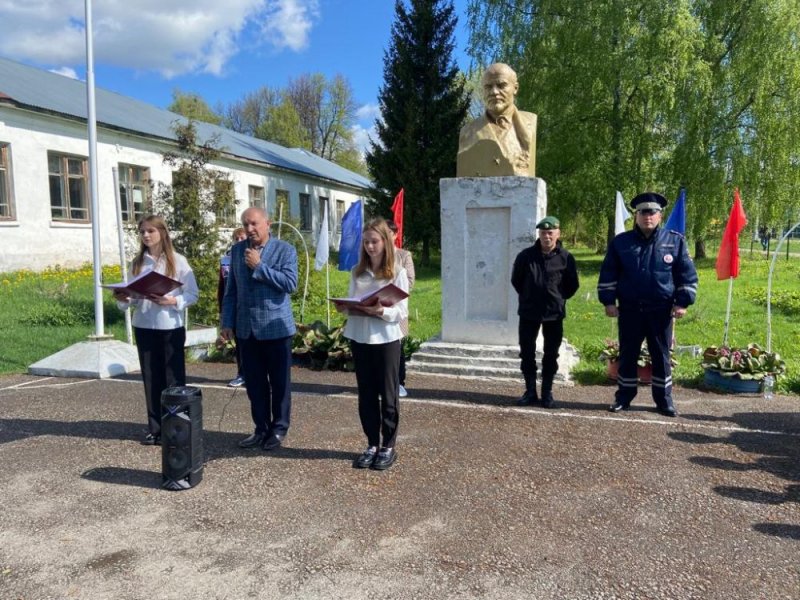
553,333
635,327
163,365
402,370
267,370
377,376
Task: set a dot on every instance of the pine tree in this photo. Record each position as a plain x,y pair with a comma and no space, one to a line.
423,105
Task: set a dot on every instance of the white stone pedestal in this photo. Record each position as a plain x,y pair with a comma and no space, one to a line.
486,222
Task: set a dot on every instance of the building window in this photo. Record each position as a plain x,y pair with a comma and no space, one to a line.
6,189
282,206
257,196
69,196
305,212
224,194
134,192
323,202
339,214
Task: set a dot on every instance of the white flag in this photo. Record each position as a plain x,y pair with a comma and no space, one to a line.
322,242
621,215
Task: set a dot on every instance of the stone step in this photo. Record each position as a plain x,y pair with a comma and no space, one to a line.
478,361
481,361
472,371
449,349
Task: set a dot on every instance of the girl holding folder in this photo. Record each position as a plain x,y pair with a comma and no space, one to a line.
374,332
158,321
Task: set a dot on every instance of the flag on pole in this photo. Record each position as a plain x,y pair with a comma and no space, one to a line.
397,210
350,243
677,218
322,242
621,215
728,258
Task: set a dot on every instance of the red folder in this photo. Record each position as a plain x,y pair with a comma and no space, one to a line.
388,295
144,285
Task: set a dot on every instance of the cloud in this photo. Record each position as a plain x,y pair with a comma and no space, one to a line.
288,22
362,136
66,72
368,112
173,38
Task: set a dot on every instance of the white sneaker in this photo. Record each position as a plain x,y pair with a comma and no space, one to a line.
403,392
237,382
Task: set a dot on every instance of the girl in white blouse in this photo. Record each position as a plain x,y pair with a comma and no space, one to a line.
158,321
374,332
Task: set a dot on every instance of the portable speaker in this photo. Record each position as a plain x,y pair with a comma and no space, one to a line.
181,437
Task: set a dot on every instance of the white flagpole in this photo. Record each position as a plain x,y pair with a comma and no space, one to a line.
91,118
328,290
728,312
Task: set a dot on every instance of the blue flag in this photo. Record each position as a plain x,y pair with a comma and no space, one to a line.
677,218
350,243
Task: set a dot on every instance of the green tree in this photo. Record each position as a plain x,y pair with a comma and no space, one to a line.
192,106
247,114
637,94
281,125
198,201
736,119
602,77
423,105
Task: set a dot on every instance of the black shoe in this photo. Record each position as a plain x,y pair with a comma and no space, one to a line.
366,459
668,411
528,398
618,406
272,442
151,440
385,459
251,441
547,400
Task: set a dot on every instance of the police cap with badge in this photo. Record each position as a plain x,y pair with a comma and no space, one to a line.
548,223
649,201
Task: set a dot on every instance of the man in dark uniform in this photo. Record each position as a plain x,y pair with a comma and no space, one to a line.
545,277
646,280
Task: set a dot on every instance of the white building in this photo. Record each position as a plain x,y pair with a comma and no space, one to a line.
45,208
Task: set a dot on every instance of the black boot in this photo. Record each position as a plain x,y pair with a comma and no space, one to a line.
547,394
529,397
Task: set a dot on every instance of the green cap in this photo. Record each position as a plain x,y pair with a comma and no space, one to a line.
548,223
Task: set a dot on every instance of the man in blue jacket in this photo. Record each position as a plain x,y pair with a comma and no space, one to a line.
257,305
646,279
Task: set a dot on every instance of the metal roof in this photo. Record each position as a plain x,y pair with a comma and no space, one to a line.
36,89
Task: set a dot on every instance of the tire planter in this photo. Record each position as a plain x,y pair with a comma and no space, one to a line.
732,385
645,373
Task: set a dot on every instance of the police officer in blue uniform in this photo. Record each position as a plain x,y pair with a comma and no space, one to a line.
646,280
545,277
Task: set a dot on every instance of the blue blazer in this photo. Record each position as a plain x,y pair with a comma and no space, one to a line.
257,301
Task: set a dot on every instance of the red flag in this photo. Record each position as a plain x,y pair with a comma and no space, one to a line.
397,209
728,258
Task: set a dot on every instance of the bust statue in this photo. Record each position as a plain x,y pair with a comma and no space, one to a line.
503,140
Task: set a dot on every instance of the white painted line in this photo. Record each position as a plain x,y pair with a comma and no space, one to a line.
27,385
19,385
677,423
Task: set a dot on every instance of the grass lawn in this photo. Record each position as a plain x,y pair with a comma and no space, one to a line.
41,313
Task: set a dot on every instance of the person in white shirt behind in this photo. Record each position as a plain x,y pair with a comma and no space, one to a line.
406,261
374,333
158,321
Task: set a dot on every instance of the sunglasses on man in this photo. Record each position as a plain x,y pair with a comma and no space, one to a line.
647,211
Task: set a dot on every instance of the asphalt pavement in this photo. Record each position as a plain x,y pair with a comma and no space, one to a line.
486,500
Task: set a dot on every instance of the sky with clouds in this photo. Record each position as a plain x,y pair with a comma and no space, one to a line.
218,49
